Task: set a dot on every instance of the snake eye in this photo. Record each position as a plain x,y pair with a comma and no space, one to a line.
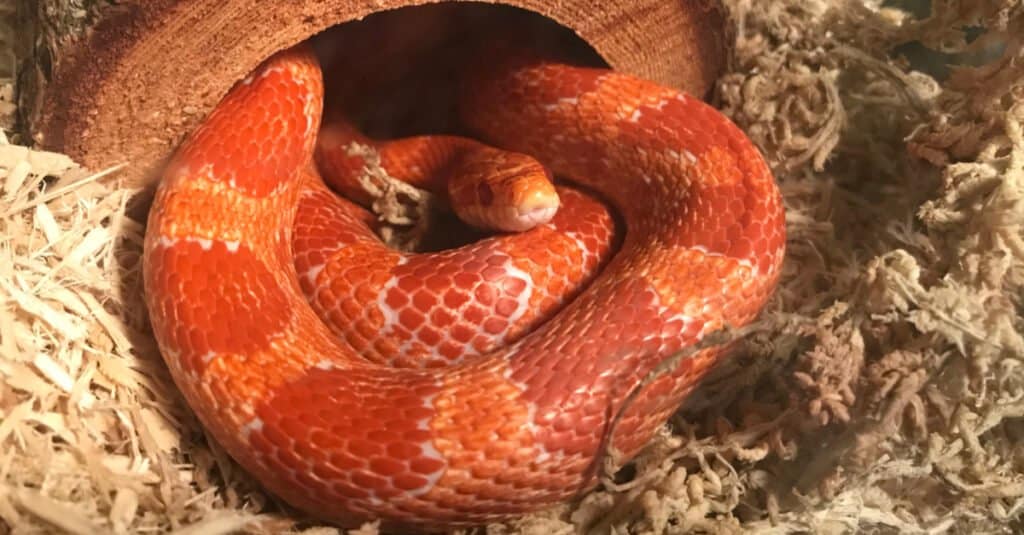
484,193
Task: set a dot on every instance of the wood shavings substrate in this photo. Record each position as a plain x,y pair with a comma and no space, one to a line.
884,392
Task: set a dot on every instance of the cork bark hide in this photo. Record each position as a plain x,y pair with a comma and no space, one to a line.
109,82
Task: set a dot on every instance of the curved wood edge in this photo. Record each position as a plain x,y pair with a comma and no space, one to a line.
146,72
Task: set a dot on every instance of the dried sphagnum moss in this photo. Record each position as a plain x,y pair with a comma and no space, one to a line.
887,394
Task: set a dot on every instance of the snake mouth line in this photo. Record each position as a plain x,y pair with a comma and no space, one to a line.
535,216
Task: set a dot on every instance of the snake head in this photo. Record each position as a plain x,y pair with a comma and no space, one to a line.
502,191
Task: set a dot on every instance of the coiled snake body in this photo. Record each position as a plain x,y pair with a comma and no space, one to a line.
514,428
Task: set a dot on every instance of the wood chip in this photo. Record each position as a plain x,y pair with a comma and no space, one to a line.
61,515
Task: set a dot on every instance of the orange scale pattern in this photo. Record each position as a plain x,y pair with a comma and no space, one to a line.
352,452
323,423
434,309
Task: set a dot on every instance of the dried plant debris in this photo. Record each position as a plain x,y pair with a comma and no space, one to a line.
884,390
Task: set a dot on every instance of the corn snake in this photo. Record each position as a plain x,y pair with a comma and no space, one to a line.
518,427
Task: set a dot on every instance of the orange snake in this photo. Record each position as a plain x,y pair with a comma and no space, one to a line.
516,427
